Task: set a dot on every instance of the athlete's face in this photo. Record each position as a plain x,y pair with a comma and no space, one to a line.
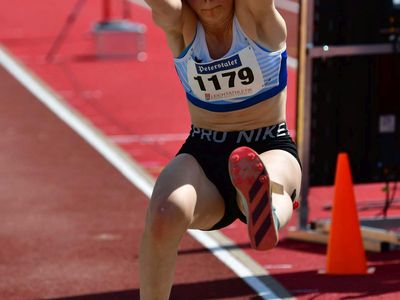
212,10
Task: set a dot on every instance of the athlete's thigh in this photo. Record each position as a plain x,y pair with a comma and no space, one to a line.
184,184
284,169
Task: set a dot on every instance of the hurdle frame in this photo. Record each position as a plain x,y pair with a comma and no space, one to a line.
376,235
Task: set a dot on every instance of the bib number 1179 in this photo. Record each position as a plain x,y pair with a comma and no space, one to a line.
245,76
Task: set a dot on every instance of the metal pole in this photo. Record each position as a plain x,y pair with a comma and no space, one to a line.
126,10
64,31
106,11
304,94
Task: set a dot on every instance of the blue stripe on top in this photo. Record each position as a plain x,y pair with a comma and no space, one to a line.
273,66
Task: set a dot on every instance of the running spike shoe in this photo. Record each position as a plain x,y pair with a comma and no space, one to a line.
250,178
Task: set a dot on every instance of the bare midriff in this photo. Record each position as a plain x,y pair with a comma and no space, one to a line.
269,112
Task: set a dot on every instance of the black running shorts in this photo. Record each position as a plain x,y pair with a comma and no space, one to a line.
212,149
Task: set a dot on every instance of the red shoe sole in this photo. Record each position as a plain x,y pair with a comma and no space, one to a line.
251,180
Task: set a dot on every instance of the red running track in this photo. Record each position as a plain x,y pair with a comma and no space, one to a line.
71,223
127,100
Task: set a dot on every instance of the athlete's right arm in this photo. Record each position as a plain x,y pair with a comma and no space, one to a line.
169,15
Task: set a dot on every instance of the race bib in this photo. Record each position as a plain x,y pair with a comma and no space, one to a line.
227,78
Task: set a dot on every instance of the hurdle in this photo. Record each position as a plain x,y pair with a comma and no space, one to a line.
114,37
379,233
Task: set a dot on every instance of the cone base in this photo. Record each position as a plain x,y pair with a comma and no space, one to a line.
368,271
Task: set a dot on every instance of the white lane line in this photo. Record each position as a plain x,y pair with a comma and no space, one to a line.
282,4
140,3
88,132
234,264
120,161
292,62
154,138
287,5
148,138
278,266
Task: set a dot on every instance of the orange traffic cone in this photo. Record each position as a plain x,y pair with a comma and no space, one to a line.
346,254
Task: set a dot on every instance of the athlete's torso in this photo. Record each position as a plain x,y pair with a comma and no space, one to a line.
246,75
243,87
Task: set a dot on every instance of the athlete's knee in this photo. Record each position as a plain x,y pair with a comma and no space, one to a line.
167,217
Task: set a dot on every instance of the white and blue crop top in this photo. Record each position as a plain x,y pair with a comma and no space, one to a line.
246,75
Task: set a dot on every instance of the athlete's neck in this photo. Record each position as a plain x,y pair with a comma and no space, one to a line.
219,37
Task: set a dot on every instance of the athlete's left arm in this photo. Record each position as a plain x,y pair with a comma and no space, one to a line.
269,26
